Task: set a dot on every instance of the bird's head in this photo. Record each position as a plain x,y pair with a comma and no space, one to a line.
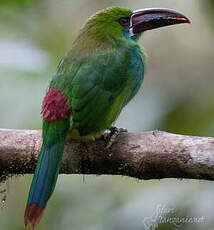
120,22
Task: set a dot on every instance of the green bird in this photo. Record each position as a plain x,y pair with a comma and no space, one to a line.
98,77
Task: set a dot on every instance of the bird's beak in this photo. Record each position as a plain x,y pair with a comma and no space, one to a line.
148,19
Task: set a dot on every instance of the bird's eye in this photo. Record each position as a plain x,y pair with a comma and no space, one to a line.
124,21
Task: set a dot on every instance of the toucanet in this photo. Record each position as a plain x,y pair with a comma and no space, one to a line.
95,80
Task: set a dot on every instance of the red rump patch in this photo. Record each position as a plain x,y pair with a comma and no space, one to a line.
55,105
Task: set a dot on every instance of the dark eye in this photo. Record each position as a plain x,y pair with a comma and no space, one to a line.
124,21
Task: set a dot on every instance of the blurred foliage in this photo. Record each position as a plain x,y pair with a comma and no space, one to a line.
20,3
208,6
177,96
192,116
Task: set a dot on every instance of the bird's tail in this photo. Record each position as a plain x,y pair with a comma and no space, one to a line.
47,169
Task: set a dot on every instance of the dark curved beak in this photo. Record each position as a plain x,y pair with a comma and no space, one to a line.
148,19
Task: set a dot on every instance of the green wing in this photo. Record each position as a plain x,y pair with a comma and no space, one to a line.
98,86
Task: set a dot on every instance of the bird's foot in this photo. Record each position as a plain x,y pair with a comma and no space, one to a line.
111,135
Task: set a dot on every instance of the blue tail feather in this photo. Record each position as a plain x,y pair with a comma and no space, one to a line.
47,170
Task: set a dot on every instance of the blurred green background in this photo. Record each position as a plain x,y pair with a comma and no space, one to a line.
177,96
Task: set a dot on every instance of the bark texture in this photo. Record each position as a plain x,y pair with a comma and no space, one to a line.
148,155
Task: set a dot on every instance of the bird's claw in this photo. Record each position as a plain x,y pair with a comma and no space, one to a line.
111,135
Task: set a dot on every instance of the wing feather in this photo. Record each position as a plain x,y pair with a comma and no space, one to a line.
98,87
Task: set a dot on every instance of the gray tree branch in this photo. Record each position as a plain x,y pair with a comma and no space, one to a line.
148,155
